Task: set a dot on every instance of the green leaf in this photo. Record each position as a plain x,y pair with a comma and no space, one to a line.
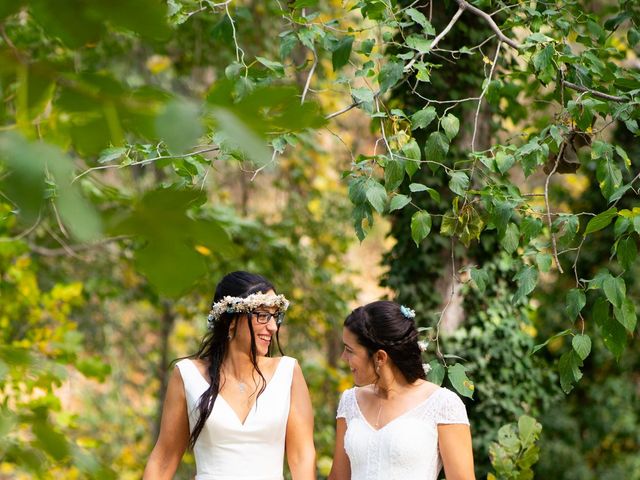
437,372
614,335
390,74
615,290
530,227
600,221
419,43
411,151
582,345
543,64
480,278
546,342
398,202
621,226
422,118
633,37
421,20
626,315
179,126
569,369
528,430
459,182
362,94
275,67
376,194
393,174
51,441
626,251
576,300
511,238
451,125
340,56
504,161
436,147
527,279
357,190
460,381
420,226
600,311
543,260
418,187
110,154
608,175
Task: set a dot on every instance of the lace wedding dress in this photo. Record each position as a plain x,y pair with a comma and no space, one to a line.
228,449
405,448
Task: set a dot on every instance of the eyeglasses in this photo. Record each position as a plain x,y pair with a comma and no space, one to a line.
265,317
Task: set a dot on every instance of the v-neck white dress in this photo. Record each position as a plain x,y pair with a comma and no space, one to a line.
228,449
405,448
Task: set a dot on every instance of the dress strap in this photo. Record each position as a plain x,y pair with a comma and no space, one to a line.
190,373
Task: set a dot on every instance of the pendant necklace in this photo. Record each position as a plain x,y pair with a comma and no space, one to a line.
377,424
241,386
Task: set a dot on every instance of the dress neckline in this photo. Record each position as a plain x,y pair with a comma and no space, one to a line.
255,401
406,412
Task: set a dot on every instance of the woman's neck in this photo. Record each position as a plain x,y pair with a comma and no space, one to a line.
238,364
391,384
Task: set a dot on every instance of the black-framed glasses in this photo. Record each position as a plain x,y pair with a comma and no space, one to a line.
265,317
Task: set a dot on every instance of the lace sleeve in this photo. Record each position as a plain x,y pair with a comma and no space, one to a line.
451,409
345,406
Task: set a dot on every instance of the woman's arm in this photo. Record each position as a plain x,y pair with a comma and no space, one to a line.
341,468
301,452
174,433
454,441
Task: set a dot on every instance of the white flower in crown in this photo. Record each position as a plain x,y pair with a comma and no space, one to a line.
423,345
427,368
245,304
407,312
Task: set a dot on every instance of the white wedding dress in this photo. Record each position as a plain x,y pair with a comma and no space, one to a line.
405,448
228,449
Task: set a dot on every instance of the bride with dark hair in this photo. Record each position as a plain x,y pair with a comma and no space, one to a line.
238,408
395,424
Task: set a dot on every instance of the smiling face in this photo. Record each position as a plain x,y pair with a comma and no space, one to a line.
263,333
358,358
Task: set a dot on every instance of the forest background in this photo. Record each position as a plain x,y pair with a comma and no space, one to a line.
476,161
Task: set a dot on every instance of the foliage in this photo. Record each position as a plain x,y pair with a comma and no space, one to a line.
39,343
516,451
124,127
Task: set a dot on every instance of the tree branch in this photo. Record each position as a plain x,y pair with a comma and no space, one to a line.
595,93
72,250
441,35
464,5
308,82
546,204
146,161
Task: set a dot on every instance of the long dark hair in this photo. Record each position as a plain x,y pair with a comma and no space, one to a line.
382,326
215,343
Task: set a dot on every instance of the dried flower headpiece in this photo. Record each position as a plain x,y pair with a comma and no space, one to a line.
245,304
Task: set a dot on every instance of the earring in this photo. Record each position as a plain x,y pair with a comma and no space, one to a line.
229,336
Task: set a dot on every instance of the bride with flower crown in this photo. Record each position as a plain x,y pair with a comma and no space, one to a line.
395,424
231,403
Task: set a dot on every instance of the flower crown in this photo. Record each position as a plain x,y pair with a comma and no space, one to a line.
245,304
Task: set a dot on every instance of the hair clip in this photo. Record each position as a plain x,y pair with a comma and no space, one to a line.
407,312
